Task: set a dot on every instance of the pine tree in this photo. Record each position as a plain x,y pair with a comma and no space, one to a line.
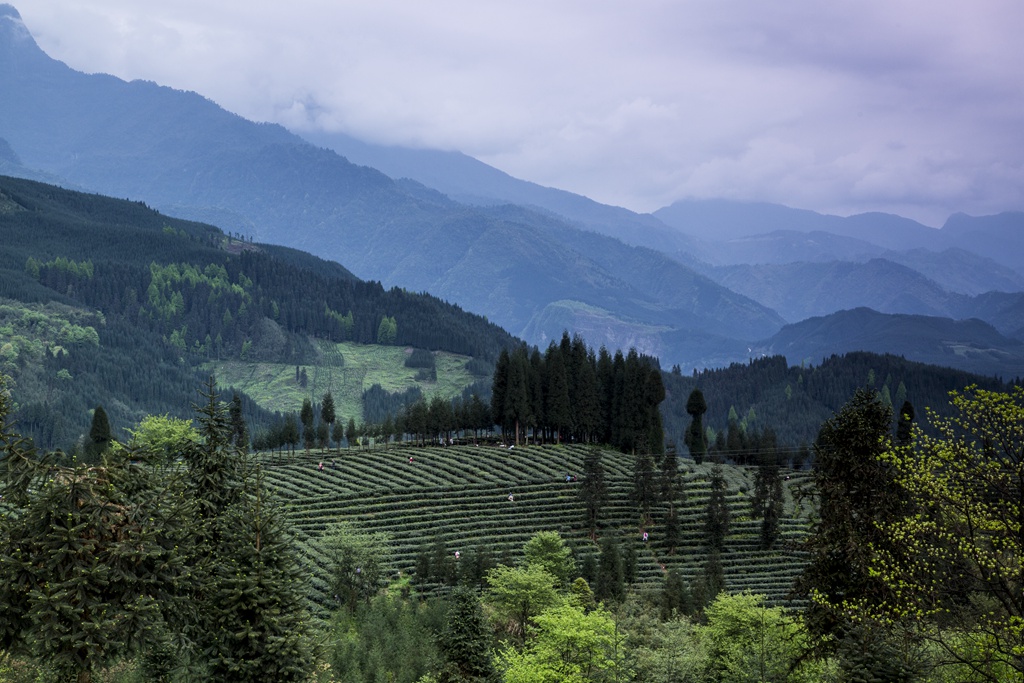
306,416
905,424
92,559
643,492
327,415
259,621
717,517
246,583
593,490
856,493
464,643
558,409
239,430
766,503
696,406
100,436
609,583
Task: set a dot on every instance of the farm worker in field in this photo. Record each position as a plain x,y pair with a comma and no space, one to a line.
456,554
511,497
410,458
320,467
645,537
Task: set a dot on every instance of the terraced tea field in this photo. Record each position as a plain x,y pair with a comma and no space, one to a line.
460,494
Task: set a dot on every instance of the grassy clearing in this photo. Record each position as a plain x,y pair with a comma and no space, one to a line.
344,369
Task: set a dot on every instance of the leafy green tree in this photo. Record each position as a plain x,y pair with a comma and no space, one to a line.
162,436
464,643
748,641
954,560
359,562
571,645
517,595
547,550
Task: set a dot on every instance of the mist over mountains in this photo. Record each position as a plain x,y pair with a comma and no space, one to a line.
699,283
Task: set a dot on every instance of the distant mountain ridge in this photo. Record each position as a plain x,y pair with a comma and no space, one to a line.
972,345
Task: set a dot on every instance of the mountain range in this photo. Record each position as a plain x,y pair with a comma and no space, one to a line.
699,283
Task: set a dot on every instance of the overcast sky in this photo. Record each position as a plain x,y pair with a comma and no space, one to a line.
914,107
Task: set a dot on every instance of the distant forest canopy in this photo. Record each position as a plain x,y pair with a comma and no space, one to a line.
108,302
794,401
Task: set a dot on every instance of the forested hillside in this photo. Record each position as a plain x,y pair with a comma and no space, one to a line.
109,302
792,401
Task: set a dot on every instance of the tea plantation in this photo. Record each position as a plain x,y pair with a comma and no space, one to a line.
460,495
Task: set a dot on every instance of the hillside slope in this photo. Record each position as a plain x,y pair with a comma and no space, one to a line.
456,498
110,302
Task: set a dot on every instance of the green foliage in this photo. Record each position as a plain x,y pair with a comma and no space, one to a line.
953,561
570,645
387,639
92,559
464,643
547,550
517,595
717,517
162,436
100,437
748,641
360,563
387,331
856,492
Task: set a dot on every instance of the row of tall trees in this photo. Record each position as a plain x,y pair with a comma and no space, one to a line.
571,392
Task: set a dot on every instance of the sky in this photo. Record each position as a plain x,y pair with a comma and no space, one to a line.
913,107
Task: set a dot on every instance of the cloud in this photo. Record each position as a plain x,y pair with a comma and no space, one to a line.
840,106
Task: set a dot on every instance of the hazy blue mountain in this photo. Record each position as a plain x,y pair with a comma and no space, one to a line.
1000,237
788,246
970,345
803,290
958,270
722,219
471,181
182,154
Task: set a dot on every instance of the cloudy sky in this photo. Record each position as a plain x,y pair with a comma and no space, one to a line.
910,106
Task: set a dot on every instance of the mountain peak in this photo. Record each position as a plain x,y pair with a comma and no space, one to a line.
16,41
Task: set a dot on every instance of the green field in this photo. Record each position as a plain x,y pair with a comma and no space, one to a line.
460,494
346,370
